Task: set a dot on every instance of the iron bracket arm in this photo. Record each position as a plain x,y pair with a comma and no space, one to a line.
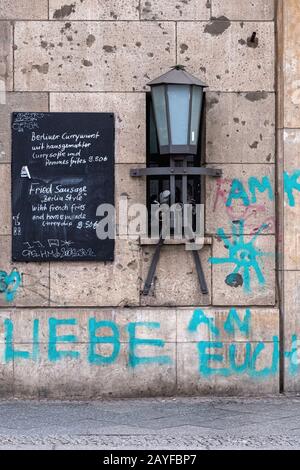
176,171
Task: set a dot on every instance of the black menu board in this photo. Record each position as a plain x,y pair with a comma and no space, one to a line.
62,171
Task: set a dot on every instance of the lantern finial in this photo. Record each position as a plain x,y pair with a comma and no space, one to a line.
178,67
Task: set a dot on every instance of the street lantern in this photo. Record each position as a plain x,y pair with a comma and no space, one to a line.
177,98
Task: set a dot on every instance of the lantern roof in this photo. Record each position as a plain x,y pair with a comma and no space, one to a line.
177,76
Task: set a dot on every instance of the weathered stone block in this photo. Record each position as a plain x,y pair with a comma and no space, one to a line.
34,288
64,377
47,376
192,382
221,53
176,282
240,128
253,259
291,288
291,65
291,141
263,325
244,193
6,367
243,9
37,102
5,197
98,284
155,379
4,315
129,192
107,56
78,378
291,304
6,375
175,10
28,10
130,118
6,55
94,10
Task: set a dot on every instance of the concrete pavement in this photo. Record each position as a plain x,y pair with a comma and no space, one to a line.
156,423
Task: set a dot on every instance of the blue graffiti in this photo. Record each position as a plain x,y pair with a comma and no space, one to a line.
218,356
55,342
114,340
9,284
205,359
249,365
53,353
252,352
232,323
255,185
134,342
234,319
10,353
238,191
198,318
292,356
243,254
291,184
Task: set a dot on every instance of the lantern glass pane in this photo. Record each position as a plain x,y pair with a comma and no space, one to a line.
179,107
152,133
160,110
197,99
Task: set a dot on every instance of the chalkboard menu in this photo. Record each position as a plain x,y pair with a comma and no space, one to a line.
62,171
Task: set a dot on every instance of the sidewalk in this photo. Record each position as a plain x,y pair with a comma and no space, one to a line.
165,423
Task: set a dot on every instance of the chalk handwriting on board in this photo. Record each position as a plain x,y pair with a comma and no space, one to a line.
63,169
27,121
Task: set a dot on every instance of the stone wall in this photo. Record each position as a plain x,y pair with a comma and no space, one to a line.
95,55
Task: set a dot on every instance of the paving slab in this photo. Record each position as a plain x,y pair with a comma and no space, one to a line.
271,422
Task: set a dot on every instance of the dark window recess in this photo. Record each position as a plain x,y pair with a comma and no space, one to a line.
157,184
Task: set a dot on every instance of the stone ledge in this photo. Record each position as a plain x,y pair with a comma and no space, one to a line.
172,241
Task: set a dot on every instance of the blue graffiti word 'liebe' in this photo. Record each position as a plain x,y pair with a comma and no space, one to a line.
103,333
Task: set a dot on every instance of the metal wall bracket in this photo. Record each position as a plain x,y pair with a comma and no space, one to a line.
152,268
176,171
155,259
173,171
